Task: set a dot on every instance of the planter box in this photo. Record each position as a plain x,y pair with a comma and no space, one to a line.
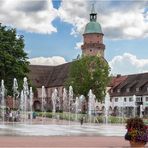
137,144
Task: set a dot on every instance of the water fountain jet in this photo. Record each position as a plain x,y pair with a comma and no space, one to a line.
43,103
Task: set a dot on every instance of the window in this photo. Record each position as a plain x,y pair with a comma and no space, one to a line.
116,99
138,99
137,89
124,99
90,50
118,90
130,99
146,99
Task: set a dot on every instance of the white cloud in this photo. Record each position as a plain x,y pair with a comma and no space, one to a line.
33,16
128,64
74,12
78,45
52,61
129,25
119,19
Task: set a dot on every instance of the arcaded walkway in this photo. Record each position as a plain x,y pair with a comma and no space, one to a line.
63,142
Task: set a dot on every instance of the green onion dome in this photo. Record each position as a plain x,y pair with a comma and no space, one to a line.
93,27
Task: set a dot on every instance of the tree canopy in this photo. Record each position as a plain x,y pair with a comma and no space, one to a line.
13,59
89,72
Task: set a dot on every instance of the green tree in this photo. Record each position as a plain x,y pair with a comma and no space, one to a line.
13,59
89,72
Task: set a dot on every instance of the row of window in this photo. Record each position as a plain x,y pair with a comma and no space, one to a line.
138,99
128,90
125,99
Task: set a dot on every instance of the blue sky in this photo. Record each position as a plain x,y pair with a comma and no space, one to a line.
54,28
60,43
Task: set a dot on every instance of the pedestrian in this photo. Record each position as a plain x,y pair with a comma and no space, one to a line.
81,120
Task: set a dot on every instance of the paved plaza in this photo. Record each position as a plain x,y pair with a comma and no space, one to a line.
63,142
58,136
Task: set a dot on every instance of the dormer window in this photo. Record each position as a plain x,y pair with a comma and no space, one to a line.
118,90
137,89
127,90
111,90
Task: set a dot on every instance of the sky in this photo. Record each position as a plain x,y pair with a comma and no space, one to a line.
53,29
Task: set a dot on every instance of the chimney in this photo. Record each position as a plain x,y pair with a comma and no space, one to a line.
118,75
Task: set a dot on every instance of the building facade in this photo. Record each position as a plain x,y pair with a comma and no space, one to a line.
131,93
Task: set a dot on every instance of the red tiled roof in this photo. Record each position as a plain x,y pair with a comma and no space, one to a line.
132,82
117,80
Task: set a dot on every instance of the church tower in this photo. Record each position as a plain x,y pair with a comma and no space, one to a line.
93,37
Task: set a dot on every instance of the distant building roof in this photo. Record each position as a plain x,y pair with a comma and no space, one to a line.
48,76
55,76
131,82
117,80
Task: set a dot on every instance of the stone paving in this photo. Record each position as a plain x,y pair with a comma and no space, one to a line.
63,142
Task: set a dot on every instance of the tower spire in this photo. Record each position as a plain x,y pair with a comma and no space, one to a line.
93,14
93,35
93,8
